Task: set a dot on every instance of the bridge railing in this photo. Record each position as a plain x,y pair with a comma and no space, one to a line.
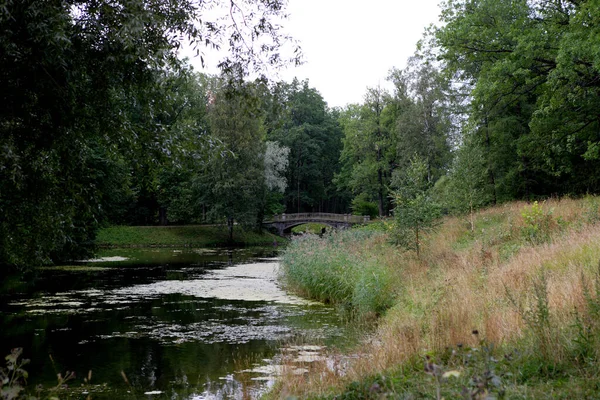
349,218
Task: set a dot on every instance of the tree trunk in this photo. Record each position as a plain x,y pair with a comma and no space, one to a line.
380,184
298,193
260,217
230,227
380,192
523,174
491,177
162,216
298,165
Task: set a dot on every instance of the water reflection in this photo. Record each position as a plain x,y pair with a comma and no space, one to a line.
185,324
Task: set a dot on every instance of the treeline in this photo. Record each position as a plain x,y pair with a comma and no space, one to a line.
203,149
102,124
384,134
500,103
242,151
529,74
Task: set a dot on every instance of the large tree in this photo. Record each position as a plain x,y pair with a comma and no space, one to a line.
532,72
79,81
368,150
310,130
383,134
232,182
422,117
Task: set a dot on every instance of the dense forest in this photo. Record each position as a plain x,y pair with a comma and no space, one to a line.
103,124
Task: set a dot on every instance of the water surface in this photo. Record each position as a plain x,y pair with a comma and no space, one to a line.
163,323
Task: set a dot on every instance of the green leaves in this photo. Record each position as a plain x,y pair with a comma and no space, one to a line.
90,88
415,211
531,71
232,184
13,378
313,135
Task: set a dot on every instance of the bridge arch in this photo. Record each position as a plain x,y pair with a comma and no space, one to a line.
288,228
283,223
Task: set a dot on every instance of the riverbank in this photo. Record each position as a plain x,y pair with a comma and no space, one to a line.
182,236
509,308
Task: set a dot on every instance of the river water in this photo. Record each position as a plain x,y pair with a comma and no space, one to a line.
164,324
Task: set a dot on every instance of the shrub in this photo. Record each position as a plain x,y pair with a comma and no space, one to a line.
591,212
537,223
415,211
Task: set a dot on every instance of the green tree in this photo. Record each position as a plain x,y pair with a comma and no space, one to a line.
415,211
367,155
423,123
175,145
311,131
232,183
531,75
276,162
464,189
79,82
487,47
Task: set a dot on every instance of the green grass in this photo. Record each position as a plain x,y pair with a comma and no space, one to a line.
180,236
480,372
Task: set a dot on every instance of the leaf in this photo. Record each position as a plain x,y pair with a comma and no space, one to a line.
14,355
23,373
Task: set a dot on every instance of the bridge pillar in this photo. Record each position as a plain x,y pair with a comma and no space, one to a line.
280,228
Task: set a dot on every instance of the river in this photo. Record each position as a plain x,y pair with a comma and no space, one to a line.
164,324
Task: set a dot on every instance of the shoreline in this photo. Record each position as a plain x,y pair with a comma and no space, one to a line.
181,236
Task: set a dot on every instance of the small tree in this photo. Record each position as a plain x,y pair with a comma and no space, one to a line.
415,211
464,190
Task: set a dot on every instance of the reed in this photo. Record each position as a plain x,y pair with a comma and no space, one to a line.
338,269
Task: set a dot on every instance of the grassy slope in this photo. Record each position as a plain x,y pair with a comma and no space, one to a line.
196,236
511,308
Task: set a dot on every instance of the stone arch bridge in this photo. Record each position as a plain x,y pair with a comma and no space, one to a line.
285,222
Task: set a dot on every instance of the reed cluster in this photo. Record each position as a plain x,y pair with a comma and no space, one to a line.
341,269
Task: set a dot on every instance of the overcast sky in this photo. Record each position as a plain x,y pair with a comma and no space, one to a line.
350,45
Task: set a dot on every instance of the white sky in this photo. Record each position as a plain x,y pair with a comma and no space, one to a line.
350,45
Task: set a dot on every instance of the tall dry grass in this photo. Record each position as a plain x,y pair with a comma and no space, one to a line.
496,280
